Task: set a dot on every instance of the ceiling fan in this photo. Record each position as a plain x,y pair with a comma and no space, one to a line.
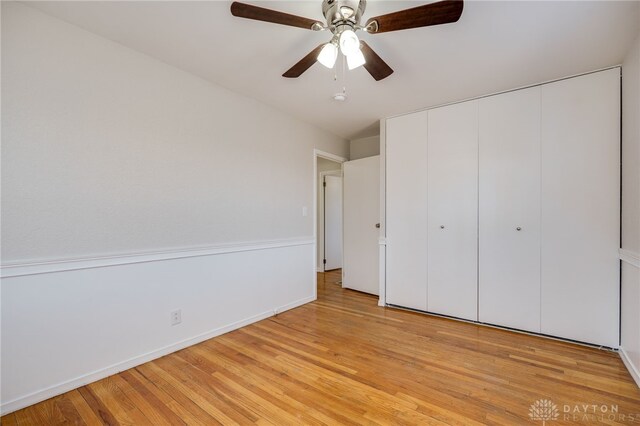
343,20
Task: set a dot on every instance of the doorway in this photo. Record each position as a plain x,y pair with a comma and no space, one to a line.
328,218
332,191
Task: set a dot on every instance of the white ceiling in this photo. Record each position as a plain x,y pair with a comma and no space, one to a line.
494,46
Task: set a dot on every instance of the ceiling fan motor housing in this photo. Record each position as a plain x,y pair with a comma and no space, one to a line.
339,13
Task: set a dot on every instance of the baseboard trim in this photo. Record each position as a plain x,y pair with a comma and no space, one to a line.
630,257
633,370
55,390
35,268
599,346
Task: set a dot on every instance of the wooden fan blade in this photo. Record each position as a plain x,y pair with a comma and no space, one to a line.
442,12
304,63
375,65
243,10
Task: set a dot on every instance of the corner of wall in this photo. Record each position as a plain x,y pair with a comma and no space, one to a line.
630,250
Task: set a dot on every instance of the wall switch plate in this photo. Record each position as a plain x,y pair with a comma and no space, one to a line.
304,211
176,317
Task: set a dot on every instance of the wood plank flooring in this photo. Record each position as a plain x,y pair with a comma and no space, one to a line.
344,360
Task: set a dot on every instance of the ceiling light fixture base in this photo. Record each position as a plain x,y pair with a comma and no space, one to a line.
340,97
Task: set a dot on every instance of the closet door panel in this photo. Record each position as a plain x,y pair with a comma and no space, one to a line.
509,210
581,207
452,164
406,211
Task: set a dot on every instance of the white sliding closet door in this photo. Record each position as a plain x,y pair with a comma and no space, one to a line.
581,207
406,211
452,165
509,210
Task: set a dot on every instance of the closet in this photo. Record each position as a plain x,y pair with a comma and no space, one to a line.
505,209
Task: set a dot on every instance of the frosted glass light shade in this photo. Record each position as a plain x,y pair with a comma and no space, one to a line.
349,42
355,59
328,55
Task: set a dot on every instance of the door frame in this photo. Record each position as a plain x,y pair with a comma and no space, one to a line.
316,185
382,242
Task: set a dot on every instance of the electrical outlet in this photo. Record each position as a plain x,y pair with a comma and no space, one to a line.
176,317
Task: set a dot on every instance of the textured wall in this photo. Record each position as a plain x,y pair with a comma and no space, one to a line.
108,151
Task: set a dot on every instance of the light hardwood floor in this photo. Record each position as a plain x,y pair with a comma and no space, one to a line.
344,360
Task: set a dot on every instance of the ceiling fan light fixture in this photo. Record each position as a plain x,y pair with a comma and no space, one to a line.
355,59
349,42
328,55
343,18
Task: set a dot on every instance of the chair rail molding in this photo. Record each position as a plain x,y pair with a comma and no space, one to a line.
33,268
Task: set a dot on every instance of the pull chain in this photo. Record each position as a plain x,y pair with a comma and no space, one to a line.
344,75
341,80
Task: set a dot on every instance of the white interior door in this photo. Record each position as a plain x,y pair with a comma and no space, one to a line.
361,214
332,222
581,207
452,166
406,211
509,210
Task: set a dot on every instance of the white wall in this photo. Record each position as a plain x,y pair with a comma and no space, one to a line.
631,149
182,194
325,165
364,147
630,322
107,151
